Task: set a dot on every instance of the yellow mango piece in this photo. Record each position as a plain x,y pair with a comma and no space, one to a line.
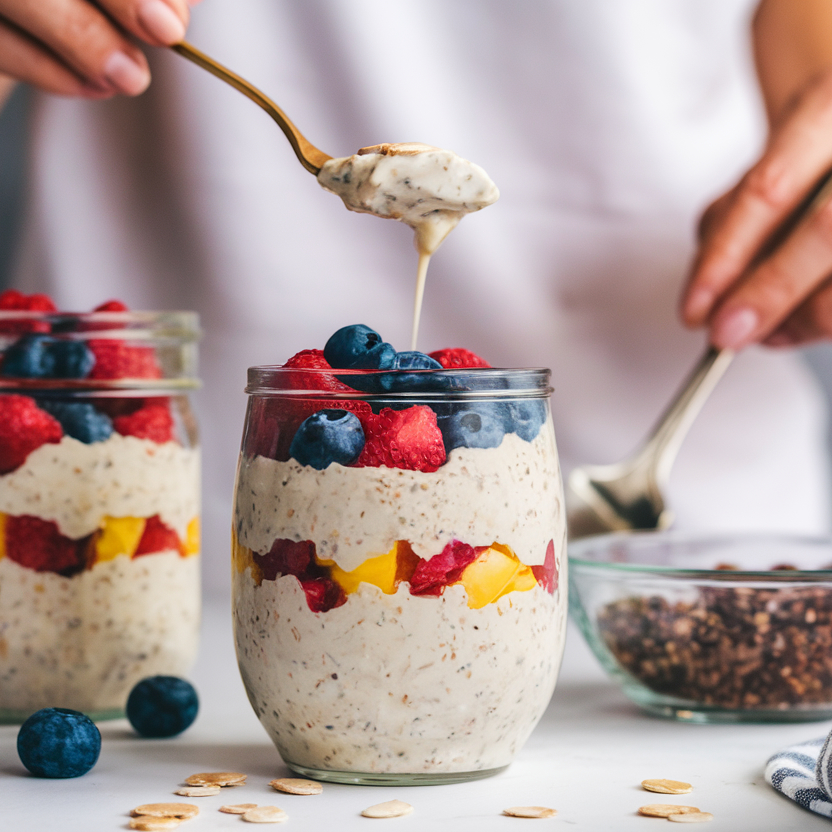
379,571
2,535
192,538
487,577
523,581
118,536
242,558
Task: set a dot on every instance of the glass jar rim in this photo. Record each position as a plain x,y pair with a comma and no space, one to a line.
431,385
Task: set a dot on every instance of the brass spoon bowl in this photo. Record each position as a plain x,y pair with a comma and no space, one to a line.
308,155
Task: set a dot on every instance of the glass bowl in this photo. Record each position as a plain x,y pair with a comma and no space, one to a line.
716,628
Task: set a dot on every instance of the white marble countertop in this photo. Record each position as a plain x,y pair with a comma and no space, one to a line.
585,759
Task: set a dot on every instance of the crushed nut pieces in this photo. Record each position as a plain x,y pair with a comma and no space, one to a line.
216,778
198,791
734,647
390,809
666,786
238,808
292,785
265,814
692,817
530,812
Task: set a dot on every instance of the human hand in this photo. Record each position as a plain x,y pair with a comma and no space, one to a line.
741,287
85,48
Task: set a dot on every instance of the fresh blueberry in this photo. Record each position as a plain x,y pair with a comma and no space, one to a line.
72,359
30,357
162,706
328,436
358,347
79,420
472,425
57,742
415,360
525,418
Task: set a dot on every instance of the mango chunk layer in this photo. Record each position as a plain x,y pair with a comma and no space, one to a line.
118,536
495,573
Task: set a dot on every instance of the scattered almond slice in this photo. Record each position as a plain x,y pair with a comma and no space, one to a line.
145,823
390,809
666,786
216,778
166,810
198,791
265,814
665,810
692,817
293,785
530,812
238,808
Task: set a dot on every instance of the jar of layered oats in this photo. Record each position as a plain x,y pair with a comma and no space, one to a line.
99,505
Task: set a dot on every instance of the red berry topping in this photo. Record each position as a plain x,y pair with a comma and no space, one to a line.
157,537
115,359
323,594
312,360
37,544
111,306
289,557
153,422
13,301
407,439
455,357
23,427
433,575
547,575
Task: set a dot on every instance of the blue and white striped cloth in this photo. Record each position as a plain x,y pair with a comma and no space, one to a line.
804,773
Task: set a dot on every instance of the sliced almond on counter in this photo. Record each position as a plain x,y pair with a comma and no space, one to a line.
390,809
530,812
667,786
293,785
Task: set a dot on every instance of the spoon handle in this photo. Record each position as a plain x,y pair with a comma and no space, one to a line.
308,155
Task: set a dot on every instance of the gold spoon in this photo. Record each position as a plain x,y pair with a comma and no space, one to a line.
308,155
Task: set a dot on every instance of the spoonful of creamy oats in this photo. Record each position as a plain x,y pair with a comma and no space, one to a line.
425,187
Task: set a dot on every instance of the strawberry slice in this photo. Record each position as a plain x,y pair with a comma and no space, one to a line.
547,575
157,537
431,576
37,544
407,439
455,357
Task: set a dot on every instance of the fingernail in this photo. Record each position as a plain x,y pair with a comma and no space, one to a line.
735,329
126,74
160,21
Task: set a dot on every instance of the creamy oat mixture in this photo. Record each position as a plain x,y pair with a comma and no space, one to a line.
509,494
83,642
75,485
425,187
397,683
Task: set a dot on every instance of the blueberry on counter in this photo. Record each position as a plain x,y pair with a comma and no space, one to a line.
162,706
58,742
357,347
80,420
473,425
30,356
328,436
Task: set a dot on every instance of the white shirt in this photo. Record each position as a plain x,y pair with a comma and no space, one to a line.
607,124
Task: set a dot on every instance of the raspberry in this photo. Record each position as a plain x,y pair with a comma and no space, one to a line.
153,422
115,359
288,557
433,575
547,575
23,427
323,594
13,301
37,544
157,537
458,357
312,360
407,439
108,306
111,306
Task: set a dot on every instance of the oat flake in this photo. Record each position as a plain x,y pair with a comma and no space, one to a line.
238,808
166,810
293,785
216,778
198,791
390,809
265,814
530,812
665,810
667,786
692,817
148,824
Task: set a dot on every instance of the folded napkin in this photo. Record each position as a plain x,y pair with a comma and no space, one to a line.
804,773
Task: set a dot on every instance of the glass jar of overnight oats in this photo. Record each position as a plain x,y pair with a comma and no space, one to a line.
399,614
99,506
